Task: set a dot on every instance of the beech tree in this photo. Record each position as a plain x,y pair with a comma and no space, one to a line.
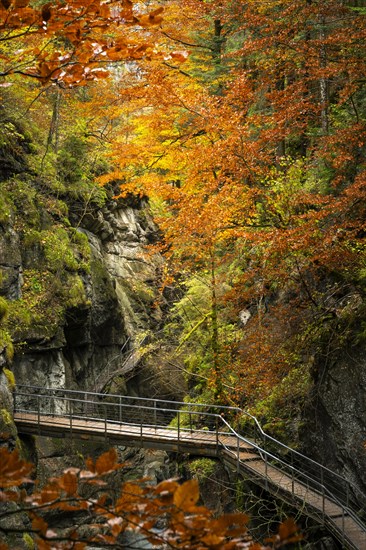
262,160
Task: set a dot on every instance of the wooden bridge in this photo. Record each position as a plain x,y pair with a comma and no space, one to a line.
204,430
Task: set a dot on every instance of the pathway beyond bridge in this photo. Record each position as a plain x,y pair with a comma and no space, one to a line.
200,430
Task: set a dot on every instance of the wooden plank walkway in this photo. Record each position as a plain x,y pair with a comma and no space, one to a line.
198,442
240,454
303,497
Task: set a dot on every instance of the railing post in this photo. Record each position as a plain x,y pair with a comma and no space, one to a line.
217,436
322,486
39,413
178,428
155,417
255,432
141,435
70,416
120,409
237,454
266,470
105,421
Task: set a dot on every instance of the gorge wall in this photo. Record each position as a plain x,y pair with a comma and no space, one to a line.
99,329
111,308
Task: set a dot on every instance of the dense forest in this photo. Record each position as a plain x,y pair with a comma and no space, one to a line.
241,126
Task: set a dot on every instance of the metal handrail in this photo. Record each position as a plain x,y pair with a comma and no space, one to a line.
126,397
297,474
73,407
309,461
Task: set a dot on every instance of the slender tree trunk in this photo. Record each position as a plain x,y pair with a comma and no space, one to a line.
215,334
281,147
217,41
323,83
54,132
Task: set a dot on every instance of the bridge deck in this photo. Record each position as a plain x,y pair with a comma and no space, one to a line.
199,442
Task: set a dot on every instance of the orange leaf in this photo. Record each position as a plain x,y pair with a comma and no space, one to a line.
44,545
287,528
187,495
179,56
127,12
69,483
13,470
168,485
49,493
21,3
211,540
107,462
9,495
235,523
39,524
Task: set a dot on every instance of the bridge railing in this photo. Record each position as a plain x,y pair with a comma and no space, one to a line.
319,486
342,489
120,408
133,412
137,413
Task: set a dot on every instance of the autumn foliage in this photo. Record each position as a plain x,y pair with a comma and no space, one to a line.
72,43
166,514
253,155
243,123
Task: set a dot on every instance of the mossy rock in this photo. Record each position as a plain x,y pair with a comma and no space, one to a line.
4,308
13,149
9,375
7,425
6,345
6,208
202,468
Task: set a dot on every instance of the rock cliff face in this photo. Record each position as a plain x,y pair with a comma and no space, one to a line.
335,416
96,332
